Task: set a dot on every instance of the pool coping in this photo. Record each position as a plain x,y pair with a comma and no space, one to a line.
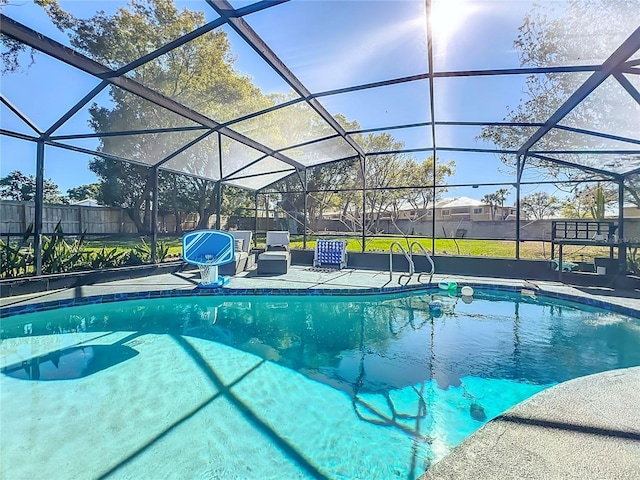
21,309
587,428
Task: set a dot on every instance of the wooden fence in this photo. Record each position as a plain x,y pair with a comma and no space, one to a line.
15,217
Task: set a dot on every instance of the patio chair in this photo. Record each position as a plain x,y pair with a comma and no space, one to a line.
331,253
208,249
276,258
244,260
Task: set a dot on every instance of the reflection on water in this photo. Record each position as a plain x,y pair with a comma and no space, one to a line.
431,376
365,344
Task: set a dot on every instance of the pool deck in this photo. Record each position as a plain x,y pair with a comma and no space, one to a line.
587,428
305,277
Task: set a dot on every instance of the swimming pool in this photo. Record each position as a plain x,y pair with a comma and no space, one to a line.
282,386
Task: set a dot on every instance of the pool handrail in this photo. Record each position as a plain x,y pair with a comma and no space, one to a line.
429,259
412,267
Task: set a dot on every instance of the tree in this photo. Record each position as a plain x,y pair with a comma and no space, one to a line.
421,177
83,192
539,205
325,181
11,50
554,34
199,74
383,173
590,201
495,200
17,186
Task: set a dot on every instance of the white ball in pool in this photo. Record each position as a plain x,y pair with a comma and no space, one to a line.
466,291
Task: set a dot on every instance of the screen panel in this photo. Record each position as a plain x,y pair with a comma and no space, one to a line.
321,152
256,183
113,33
608,109
330,45
285,127
44,89
400,104
201,159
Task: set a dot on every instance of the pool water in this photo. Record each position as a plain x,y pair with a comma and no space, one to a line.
282,387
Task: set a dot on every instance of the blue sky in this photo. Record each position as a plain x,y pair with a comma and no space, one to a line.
326,48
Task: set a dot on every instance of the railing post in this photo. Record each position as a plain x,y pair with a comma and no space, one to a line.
363,166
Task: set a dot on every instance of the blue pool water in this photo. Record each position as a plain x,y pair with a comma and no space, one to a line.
282,387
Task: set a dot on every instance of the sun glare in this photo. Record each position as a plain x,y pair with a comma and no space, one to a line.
447,18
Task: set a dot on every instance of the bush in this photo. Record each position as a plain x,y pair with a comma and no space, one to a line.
58,256
104,258
16,257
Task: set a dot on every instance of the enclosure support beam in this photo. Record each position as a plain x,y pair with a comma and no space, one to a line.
520,166
218,202
622,249
220,185
573,165
154,216
76,108
255,218
39,206
20,115
183,148
304,225
40,42
628,86
432,110
363,167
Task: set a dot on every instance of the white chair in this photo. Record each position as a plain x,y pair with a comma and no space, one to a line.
277,257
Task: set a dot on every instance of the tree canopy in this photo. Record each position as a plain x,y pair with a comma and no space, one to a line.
199,74
18,186
578,32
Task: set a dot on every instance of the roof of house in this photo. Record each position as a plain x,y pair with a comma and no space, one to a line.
456,202
87,202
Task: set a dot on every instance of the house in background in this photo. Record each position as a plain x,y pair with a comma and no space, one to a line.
447,209
629,210
459,208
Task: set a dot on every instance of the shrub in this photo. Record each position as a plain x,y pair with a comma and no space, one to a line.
16,257
58,256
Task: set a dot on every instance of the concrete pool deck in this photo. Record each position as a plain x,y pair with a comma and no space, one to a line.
587,428
305,277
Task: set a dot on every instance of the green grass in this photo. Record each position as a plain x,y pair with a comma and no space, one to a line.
462,247
468,247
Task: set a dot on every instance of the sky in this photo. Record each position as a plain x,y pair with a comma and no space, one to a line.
328,45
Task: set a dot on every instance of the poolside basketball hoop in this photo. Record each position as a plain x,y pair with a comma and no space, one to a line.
208,249
208,273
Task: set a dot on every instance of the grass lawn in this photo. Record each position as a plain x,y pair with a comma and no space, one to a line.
463,247
472,248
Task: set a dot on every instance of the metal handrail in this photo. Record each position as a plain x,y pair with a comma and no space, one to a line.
429,259
412,267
